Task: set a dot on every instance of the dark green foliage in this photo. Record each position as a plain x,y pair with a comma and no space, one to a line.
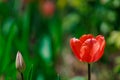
41,39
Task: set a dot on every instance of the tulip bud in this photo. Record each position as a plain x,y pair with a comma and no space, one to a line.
20,64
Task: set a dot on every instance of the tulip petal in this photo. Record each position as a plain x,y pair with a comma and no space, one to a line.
86,50
75,45
84,53
85,37
95,50
101,41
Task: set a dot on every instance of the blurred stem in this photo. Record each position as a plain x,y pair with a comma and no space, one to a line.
89,72
22,76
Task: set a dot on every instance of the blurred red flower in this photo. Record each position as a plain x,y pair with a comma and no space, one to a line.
48,8
87,48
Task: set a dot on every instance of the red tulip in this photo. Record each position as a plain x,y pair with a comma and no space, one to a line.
48,8
88,48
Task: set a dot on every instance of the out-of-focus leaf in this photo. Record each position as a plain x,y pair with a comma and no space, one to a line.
2,47
117,66
61,4
111,16
117,60
56,34
104,1
77,4
80,5
25,33
7,26
4,10
116,3
78,78
105,28
7,52
40,77
26,23
114,39
70,21
45,49
118,42
2,43
30,73
17,5
117,69
11,69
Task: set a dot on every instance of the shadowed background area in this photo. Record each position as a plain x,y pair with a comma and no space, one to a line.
41,30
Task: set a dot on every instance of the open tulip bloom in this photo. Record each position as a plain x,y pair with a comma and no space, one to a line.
88,48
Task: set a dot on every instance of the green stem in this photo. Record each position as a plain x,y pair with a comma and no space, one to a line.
89,72
22,76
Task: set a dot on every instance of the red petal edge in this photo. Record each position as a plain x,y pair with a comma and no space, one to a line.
101,41
85,36
75,45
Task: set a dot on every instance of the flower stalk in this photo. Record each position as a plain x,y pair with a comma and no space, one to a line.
22,76
89,72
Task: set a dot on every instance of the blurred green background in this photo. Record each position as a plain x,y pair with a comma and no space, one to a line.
41,30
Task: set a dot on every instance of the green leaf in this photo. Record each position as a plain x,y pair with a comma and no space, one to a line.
2,45
30,73
8,46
